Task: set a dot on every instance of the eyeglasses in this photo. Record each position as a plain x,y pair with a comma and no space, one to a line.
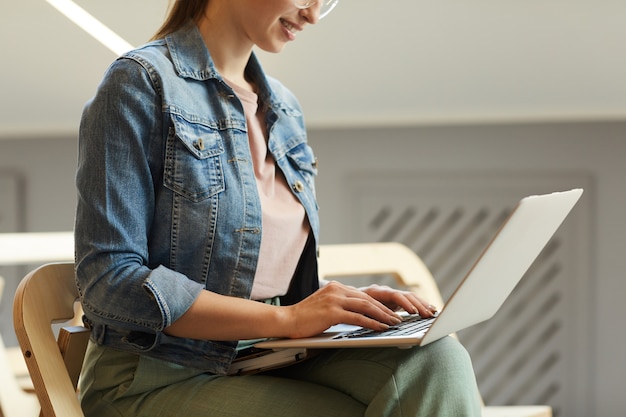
325,6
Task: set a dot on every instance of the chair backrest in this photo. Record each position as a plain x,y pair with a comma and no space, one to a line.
46,296
386,258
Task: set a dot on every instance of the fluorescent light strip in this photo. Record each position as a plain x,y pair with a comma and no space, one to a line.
92,26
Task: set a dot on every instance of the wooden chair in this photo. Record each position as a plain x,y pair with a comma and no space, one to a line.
21,249
399,261
44,297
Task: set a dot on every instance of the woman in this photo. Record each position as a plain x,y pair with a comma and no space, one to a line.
195,202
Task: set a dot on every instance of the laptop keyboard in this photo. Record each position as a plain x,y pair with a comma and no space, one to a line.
411,324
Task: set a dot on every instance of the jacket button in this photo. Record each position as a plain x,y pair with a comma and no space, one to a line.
298,187
199,144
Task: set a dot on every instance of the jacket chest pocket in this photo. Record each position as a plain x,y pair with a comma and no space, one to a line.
192,160
304,161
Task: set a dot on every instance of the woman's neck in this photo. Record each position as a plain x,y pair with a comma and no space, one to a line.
229,50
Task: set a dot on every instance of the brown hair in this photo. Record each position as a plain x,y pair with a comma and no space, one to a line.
179,13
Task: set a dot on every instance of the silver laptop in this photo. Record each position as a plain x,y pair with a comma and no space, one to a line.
491,280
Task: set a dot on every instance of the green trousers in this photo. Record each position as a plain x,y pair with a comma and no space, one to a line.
435,380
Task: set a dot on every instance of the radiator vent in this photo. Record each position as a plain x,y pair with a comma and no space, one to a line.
528,352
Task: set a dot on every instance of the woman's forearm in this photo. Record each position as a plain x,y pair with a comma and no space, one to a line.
217,317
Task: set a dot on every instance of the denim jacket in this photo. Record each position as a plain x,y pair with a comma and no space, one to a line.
167,197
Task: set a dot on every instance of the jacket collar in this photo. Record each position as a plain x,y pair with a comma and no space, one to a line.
192,59
190,55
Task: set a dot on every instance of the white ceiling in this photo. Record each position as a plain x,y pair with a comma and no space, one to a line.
369,62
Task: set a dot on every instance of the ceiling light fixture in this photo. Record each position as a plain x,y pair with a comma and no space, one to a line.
92,26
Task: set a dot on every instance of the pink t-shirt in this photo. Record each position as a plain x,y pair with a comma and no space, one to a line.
285,227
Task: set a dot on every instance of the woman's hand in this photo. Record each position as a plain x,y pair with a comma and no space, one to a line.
336,303
397,299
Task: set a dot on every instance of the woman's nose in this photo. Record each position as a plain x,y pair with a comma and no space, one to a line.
311,14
